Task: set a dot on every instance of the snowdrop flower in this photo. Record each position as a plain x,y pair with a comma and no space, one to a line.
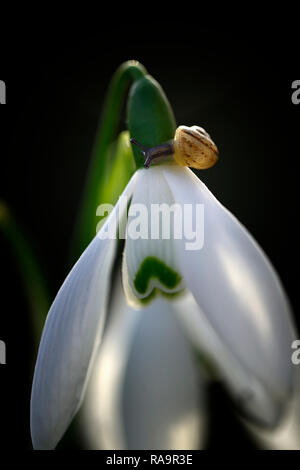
233,306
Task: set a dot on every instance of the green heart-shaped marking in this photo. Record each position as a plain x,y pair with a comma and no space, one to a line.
153,267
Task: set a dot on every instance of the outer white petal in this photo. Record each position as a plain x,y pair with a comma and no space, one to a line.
249,393
146,391
70,339
238,290
286,436
151,189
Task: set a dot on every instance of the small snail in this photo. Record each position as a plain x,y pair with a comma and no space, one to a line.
192,146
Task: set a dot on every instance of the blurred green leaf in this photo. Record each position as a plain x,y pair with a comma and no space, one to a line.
35,286
119,170
97,172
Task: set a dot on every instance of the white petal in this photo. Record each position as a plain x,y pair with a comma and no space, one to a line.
146,391
248,392
285,436
237,288
151,189
70,339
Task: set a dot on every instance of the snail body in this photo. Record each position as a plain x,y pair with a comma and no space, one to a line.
192,147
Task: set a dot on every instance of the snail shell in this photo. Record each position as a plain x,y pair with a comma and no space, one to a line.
193,147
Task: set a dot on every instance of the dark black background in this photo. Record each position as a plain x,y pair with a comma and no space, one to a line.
235,82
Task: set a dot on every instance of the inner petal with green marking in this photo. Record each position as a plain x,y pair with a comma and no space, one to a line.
150,262
152,268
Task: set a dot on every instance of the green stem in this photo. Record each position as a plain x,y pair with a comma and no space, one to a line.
86,223
29,268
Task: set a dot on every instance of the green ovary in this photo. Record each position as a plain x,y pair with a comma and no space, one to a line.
152,267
